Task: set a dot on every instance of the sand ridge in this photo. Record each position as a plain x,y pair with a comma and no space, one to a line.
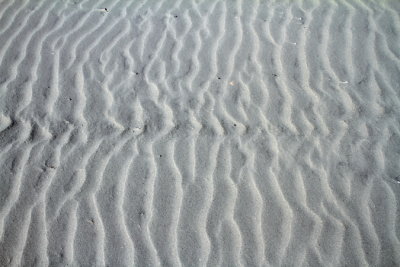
199,133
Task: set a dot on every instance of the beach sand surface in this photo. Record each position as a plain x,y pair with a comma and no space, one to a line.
199,133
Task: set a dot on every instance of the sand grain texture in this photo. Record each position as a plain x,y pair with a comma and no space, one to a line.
199,133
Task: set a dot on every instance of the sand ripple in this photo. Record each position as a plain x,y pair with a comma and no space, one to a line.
199,133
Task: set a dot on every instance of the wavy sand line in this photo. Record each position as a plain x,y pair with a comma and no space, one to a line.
199,133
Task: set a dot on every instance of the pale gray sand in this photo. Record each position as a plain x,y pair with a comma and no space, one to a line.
199,133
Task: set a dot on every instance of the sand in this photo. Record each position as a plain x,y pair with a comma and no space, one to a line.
199,133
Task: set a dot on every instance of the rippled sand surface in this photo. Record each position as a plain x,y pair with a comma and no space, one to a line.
199,133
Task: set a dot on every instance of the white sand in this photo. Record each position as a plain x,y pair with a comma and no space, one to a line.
199,133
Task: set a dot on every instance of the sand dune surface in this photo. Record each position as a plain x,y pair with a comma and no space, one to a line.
199,133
